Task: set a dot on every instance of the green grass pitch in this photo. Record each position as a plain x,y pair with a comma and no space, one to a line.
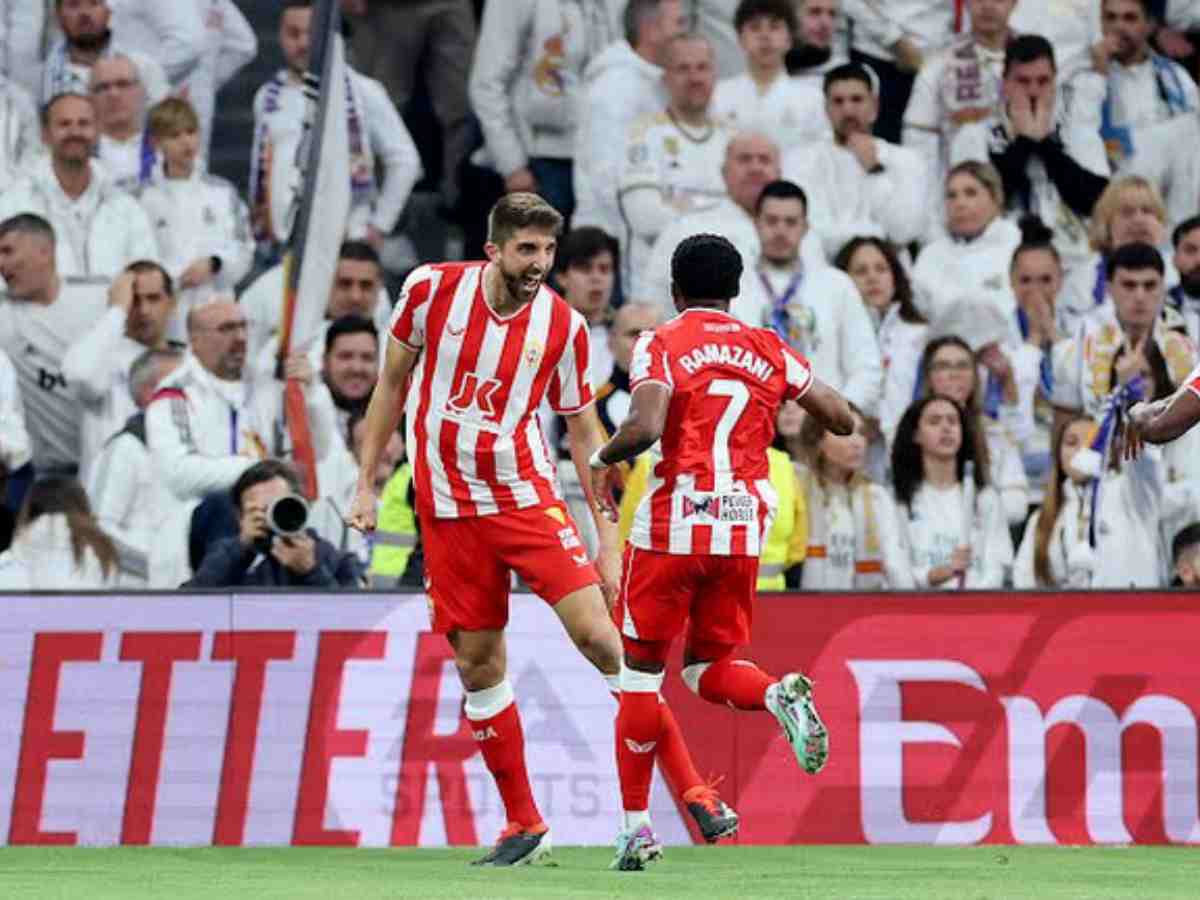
694,873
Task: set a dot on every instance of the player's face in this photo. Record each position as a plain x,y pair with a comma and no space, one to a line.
818,19
845,454
1187,261
751,163
1075,438
219,339
26,263
70,131
970,206
872,275
990,17
356,286
1137,295
588,284
939,431
83,19
851,108
690,76
293,37
1037,278
1034,80
765,40
630,322
524,261
352,365
781,225
952,373
1126,21
117,92
1136,219
151,309
180,150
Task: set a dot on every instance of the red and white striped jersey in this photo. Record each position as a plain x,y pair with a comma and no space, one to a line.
709,494
473,432
1192,382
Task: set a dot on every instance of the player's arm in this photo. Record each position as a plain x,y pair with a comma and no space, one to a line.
1163,420
642,426
586,435
828,407
382,419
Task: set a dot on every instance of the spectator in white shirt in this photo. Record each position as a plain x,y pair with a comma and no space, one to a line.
858,183
621,85
822,41
100,228
132,504
14,436
228,44
202,224
120,102
1185,297
949,544
765,98
714,20
586,267
525,86
1073,28
58,545
377,136
20,132
350,366
25,31
172,33
86,38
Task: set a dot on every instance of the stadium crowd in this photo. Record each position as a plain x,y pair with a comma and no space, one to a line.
979,220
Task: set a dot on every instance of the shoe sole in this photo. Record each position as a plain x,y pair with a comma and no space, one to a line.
727,832
797,690
638,859
539,855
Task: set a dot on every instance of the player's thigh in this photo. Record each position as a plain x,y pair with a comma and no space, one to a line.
543,546
722,609
586,620
466,580
655,594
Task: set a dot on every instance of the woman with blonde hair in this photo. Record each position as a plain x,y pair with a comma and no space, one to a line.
58,546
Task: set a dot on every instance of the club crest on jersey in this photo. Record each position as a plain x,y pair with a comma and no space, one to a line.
533,352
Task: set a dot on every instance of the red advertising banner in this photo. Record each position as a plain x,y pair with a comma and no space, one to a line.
273,719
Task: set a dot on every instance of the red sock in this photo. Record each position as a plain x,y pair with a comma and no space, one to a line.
639,732
674,758
738,682
502,743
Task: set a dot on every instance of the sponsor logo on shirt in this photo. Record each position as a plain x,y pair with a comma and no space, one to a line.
730,508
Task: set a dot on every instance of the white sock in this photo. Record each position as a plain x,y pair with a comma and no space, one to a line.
636,818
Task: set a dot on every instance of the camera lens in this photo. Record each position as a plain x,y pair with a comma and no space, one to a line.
288,515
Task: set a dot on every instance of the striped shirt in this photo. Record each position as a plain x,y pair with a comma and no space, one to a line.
471,409
709,493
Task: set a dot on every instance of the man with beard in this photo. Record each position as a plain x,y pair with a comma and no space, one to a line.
350,365
484,343
822,41
100,228
1185,296
86,38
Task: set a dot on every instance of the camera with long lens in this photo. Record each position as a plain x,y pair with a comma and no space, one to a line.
287,516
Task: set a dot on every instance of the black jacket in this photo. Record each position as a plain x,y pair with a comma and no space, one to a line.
228,564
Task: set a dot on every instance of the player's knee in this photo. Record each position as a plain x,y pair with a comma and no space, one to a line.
600,643
692,674
479,673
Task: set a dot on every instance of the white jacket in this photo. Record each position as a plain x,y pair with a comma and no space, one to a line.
172,33
14,437
901,345
20,131
204,432
933,528
791,112
97,234
42,558
839,558
227,44
829,324
61,76
950,272
844,200
714,20
24,34
880,23
619,88
526,75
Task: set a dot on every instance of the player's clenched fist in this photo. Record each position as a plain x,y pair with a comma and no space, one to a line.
362,511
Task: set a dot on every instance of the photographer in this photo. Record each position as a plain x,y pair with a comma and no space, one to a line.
270,550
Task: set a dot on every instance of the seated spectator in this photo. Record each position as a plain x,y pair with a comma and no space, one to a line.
58,546
262,557
40,316
1184,298
894,39
816,309
957,85
100,228
822,41
858,183
119,99
20,132
1185,556
87,38
525,85
132,505
621,85
586,264
1046,148
900,330
202,225
853,543
949,541
377,135
1151,109
950,369
672,161
969,268
213,419
782,559
141,303
764,98
1073,28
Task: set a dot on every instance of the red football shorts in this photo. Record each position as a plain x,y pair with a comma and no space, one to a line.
660,591
468,564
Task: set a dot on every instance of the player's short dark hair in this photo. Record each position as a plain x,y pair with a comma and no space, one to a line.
1183,229
581,245
264,470
344,325
149,266
27,223
848,72
518,210
781,10
48,106
781,189
1027,48
1137,255
1187,538
706,267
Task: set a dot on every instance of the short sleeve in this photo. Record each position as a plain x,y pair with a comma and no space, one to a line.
1192,382
412,307
797,373
571,385
650,362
